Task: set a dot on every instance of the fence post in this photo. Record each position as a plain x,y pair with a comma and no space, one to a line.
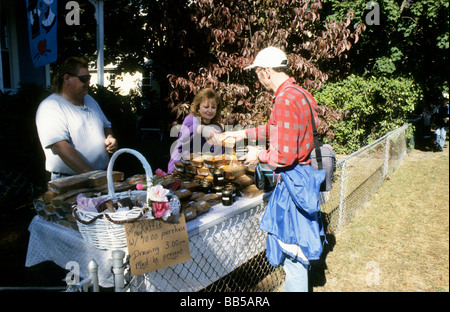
93,273
386,156
118,270
342,194
405,146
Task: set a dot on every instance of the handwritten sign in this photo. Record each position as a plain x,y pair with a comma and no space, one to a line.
155,244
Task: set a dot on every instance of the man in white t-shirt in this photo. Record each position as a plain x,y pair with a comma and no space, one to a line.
75,134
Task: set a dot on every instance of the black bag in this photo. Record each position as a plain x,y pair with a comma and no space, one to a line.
265,177
327,161
322,157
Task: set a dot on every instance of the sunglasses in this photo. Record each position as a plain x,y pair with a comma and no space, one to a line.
83,78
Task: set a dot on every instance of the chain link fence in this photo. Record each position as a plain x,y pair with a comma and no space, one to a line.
359,175
227,257
230,256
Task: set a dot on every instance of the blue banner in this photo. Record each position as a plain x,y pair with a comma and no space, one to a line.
42,31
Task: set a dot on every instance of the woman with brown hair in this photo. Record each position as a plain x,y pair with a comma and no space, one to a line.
197,133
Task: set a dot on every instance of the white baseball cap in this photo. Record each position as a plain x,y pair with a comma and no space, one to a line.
269,57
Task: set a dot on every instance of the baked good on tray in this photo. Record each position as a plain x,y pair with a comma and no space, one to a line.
232,172
252,191
243,181
197,161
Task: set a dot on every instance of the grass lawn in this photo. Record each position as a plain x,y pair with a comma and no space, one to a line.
399,241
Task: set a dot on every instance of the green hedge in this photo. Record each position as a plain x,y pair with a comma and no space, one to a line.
370,108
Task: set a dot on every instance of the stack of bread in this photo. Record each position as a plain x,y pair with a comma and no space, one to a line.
56,204
196,170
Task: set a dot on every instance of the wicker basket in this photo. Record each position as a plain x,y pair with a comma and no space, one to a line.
105,230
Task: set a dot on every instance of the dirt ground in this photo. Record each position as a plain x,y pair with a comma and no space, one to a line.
398,242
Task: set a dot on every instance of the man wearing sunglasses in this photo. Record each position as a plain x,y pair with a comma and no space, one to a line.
75,134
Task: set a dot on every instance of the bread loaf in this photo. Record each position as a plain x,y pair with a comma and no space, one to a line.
118,187
201,207
65,197
209,161
243,181
186,159
167,182
250,170
209,178
211,198
197,195
180,166
197,161
232,172
100,178
191,185
203,171
189,212
191,169
252,191
62,185
48,196
222,160
137,178
183,194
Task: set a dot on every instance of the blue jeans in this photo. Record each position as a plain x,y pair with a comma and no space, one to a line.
440,136
296,279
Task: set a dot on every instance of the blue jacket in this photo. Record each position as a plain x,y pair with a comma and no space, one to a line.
293,216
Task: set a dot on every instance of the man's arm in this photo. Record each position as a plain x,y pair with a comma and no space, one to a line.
70,156
256,133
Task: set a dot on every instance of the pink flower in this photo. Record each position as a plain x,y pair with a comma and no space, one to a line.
158,194
141,186
161,210
159,173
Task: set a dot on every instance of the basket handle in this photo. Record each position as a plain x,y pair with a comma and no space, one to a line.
145,164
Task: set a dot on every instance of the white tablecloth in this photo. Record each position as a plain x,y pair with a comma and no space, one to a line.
50,241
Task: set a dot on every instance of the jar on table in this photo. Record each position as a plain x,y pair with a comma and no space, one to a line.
218,189
227,197
206,186
232,187
219,177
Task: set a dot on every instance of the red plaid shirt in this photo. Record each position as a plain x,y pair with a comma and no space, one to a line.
289,129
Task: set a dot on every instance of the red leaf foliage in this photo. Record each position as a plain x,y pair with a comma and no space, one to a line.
231,34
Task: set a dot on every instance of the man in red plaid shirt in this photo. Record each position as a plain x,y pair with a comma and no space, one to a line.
289,129
291,139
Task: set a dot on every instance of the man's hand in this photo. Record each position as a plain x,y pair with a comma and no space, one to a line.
111,144
212,134
237,135
251,158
